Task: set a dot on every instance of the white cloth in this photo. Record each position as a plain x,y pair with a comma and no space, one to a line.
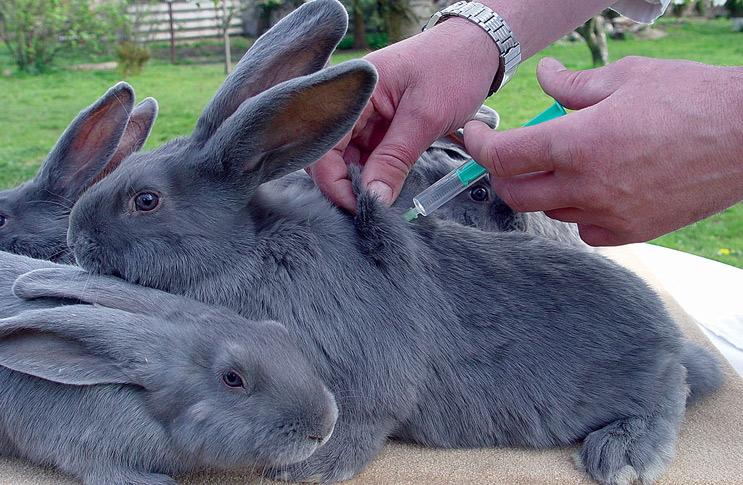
643,11
709,291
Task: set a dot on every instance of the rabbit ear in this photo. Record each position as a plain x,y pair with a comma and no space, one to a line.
88,143
291,125
54,344
71,283
299,44
137,130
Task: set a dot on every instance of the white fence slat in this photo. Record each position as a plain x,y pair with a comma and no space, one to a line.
190,21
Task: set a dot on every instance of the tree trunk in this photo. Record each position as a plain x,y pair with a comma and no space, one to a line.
226,34
395,17
595,36
359,26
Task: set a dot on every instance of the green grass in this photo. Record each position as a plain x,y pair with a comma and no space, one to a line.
34,110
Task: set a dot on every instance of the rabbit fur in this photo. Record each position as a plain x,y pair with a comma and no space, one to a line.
428,332
34,215
131,390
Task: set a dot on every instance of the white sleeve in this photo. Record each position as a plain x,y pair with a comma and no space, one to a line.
643,11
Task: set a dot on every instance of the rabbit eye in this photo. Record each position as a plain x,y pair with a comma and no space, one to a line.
232,379
479,194
3,220
146,201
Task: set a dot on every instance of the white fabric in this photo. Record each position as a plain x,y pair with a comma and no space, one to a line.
709,291
643,11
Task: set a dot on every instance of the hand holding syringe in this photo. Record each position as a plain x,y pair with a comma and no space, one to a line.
456,181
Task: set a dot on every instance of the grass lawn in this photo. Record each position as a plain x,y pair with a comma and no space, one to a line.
35,109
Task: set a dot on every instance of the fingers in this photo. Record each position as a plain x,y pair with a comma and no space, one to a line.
406,139
599,236
331,176
513,152
576,89
591,227
534,192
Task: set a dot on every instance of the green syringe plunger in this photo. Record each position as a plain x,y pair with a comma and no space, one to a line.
456,181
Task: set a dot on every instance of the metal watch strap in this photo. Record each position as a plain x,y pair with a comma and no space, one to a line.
496,27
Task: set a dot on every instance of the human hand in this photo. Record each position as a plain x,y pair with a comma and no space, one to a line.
429,85
655,145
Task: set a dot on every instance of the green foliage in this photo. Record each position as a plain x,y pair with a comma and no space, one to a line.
735,7
132,57
35,31
375,41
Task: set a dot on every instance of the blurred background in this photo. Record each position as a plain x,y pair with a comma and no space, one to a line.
61,55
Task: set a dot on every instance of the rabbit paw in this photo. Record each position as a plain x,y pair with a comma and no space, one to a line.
327,465
627,451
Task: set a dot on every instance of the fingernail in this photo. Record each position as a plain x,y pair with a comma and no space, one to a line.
551,63
382,191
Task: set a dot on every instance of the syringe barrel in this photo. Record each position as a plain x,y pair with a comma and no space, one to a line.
448,187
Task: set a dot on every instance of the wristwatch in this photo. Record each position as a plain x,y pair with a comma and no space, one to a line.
496,27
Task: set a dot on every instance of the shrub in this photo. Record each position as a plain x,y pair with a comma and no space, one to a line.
375,41
35,31
735,7
132,57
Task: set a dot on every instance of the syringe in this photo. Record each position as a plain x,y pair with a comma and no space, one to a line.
456,181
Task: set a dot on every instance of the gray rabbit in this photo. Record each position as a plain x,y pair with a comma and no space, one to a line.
34,215
145,384
428,332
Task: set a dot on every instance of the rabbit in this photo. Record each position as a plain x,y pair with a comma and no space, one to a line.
428,332
34,215
145,385
479,206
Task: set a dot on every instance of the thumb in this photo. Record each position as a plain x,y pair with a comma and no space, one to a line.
388,165
575,89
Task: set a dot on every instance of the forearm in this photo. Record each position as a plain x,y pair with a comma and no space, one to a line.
535,23
538,23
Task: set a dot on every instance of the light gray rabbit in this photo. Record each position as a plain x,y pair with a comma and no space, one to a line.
34,215
146,385
429,332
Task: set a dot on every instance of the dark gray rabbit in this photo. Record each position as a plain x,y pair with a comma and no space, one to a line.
428,332
34,215
146,385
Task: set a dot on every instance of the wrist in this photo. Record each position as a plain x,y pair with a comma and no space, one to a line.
466,42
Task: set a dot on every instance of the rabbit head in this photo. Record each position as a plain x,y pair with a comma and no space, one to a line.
229,390
34,215
191,200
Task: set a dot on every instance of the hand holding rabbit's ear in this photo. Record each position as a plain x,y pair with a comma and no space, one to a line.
53,344
291,125
299,44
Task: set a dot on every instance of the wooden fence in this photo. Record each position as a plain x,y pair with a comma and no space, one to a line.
190,20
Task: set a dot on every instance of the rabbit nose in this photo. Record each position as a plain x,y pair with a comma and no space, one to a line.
322,438
324,431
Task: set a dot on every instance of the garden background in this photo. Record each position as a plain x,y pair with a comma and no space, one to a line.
39,99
